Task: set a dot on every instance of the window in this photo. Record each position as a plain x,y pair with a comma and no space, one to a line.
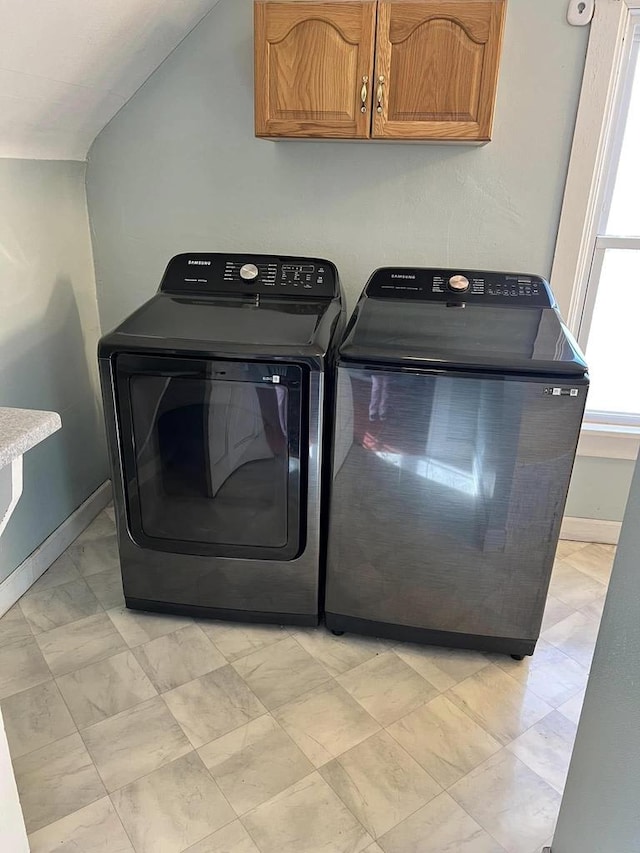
596,270
611,312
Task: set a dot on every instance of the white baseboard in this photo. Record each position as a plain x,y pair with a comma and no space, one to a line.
36,564
590,530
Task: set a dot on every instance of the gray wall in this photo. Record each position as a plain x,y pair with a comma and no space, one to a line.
599,488
48,333
178,169
600,810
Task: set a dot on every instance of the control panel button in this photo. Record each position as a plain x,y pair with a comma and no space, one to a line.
459,283
248,272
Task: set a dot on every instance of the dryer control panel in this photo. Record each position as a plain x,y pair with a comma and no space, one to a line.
253,275
454,285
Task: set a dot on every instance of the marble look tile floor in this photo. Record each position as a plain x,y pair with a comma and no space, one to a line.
136,733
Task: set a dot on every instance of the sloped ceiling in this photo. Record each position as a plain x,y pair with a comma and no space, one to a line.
67,66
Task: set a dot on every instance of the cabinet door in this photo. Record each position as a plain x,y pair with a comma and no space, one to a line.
437,68
313,67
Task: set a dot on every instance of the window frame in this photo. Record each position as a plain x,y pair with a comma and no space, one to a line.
605,93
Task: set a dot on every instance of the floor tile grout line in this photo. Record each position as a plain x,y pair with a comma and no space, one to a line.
492,736
452,795
496,737
105,610
231,662
532,690
329,676
222,793
135,649
64,702
86,746
246,829
32,589
248,723
435,687
576,569
151,772
33,637
404,716
326,781
322,686
58,739
439,794
193,751
48,746
375,734
68,814
326,632
398,658
504,746
293,698
64,624
268,710
127,648
97,769
315,770
575,660
605,560
92,662
219,650
124,828
266,713
576,611
111,716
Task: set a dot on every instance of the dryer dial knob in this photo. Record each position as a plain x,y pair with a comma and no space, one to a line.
248,272
459,283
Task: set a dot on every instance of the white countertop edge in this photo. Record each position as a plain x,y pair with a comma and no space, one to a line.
22,429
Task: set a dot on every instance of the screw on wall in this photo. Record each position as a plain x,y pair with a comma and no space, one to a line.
580,12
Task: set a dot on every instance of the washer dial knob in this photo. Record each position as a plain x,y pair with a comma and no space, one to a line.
248,272
459,283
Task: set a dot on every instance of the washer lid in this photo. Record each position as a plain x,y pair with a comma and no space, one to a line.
218,324
459,334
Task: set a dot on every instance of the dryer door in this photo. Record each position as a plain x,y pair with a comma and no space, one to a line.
212,455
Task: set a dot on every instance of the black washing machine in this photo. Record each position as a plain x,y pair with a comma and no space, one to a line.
218,396
460,396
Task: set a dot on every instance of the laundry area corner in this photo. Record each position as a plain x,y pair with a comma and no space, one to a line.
318,425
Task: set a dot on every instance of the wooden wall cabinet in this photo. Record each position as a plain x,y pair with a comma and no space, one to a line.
377,69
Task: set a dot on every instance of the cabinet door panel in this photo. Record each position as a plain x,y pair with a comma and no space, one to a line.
439,60
310,61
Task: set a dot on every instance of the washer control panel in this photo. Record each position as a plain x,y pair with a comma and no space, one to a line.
457,286
255,275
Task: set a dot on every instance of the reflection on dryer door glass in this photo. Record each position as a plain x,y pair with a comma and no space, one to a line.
212,459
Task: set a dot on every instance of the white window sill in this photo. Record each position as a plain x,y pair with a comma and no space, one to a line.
609,441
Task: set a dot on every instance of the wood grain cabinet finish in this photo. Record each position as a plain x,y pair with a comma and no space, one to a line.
437,68
313,66
377,69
